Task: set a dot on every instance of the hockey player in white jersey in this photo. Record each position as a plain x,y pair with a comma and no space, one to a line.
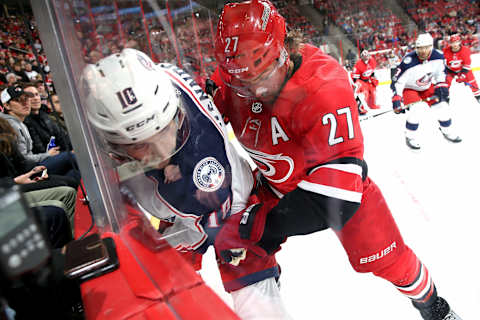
419,83
175,163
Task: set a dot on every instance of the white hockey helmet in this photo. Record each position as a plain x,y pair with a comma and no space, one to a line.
130,99
424,40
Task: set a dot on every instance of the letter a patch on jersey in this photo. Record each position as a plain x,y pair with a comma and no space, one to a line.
277,132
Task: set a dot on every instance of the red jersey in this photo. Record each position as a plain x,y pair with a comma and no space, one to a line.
456,61
364,71
297,140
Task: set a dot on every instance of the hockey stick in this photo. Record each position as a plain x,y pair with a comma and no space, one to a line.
391,110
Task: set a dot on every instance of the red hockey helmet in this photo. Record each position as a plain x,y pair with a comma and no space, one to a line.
455,42
250,37
455,38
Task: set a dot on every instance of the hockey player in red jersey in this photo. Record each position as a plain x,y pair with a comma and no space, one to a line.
457,59
363,75
296,116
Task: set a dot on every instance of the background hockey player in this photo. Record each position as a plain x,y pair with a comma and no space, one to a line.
296,116
176,165
363,76
458,61
420,82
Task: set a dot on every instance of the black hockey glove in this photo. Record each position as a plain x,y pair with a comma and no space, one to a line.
441,91
210,87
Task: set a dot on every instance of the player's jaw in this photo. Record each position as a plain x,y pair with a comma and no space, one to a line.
456,46
424,53
266,86
156,151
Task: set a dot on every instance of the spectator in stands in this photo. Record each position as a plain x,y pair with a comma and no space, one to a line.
363,76
15,169
56,107
16,109
31,74
18,70
40,85
42,127
11,79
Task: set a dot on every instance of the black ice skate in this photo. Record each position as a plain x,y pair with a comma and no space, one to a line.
478,98
450,136
412,143
438,310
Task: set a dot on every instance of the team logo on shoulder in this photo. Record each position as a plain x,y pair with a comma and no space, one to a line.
407,60
257,107
208,174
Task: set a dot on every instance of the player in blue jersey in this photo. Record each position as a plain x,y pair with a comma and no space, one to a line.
420,83
175,164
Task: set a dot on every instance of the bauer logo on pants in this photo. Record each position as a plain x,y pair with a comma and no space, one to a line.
208,174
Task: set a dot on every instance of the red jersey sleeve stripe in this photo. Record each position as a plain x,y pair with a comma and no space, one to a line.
346,167
332,192
337,180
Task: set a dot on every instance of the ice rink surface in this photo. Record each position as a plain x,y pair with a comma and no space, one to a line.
433,195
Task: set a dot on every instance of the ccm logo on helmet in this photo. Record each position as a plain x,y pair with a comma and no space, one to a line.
140,123
235,71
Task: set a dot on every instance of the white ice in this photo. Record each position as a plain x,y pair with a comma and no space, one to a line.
433,196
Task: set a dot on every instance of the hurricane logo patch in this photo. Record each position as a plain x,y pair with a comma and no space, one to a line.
208,174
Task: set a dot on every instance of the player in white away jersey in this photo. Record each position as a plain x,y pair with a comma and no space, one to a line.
420,82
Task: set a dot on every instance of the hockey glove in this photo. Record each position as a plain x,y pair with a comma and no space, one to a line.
374,81
210,87
441,91
241,232
397,104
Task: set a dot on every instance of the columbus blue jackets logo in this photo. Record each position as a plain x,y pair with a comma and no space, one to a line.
208,174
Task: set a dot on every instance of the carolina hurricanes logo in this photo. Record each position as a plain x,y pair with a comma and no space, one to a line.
277,168
367,73
425,80
455,63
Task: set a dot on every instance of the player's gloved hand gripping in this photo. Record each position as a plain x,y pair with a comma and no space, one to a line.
397,104
441,91
241,232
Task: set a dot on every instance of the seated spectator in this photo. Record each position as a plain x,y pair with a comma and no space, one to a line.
40,85
42,127
16,109
20,72
31,74
15,169
57,112
11,79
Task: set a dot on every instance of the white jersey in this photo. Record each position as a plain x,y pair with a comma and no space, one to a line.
215,181
419,75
